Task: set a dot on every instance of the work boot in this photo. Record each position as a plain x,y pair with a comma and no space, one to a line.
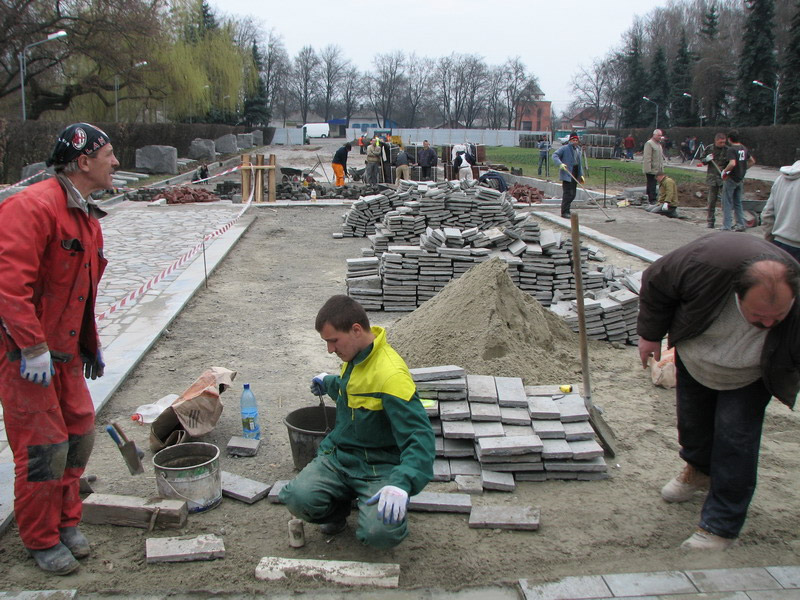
77,543
683,486
333,527
57,560
710,225
704,540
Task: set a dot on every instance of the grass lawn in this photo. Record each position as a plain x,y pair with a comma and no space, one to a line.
620,173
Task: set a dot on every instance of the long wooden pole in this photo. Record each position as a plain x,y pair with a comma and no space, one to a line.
578,273
245,177
259,197
271,179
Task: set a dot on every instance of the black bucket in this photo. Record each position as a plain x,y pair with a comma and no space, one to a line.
306,430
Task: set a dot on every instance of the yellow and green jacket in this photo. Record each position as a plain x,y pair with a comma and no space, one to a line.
382,430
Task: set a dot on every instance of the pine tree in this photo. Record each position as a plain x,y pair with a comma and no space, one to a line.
682,107
789,104
658,91
634,86
754,104
256,105
710,27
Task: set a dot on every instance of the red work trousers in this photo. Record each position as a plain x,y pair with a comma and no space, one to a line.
51,433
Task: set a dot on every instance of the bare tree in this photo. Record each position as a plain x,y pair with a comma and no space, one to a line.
303,80
495,80
445,87
385,83
473,82
519,87
353,85
332,68
419,72
592,88
275,68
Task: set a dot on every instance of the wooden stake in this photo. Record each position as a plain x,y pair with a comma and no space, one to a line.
601,428
245,171
271,179
259,196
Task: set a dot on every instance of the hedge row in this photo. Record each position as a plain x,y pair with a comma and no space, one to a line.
773,146
32,141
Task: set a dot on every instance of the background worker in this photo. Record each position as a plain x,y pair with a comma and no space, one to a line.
629,143
716,159
339,163
667,204
426,159
652,163
373,161
781,215
403,171
381,449
739,160
544,147
568,160
728,304
51,258
462,165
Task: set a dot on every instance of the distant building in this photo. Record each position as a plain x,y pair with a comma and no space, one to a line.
586,118
533,116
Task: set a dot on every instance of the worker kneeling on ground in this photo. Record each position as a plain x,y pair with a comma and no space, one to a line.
667,204
381,449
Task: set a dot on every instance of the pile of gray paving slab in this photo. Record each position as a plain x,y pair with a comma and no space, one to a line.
424,234
493,431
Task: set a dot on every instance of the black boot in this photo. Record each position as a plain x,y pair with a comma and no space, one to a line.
57,560
77,543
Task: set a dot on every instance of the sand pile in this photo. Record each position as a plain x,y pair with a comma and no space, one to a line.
487,325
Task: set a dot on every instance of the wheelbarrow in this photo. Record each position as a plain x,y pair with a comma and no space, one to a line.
288,174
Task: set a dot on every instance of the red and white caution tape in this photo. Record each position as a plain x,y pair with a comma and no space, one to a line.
183,259
34,176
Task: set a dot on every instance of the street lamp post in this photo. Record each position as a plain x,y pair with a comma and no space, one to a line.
142,63
774,98
52,36
653,102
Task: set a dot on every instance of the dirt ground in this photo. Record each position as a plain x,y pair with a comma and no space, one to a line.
257,318
695,194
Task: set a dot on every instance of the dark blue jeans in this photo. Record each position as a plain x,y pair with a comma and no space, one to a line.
720,433
795,252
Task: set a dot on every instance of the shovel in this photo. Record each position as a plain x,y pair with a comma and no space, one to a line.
127,448
609,219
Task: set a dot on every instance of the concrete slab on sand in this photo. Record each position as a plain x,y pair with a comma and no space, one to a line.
273,568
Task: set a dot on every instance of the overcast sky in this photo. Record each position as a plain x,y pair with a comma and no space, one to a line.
553,37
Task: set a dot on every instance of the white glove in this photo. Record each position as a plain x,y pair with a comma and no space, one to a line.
709,157
318,384
392,502
665,207
38,369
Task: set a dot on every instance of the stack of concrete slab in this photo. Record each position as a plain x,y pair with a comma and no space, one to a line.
360,220
630,307
364,284
609,316
400,272
497,429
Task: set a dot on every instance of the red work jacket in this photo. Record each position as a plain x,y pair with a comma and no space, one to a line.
51,260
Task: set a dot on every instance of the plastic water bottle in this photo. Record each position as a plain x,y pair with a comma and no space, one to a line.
250,428
147,413
313,195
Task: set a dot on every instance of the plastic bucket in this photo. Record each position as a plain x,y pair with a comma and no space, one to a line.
306,430
190,472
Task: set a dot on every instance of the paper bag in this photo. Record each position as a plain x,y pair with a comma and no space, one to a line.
194,413
662,373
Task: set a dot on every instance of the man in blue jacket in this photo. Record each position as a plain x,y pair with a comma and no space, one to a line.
568,160
381,449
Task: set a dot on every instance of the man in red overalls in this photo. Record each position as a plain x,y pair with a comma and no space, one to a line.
51,258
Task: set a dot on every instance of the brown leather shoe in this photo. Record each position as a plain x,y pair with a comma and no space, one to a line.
684,485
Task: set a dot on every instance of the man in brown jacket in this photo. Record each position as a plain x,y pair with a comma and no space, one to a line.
728,304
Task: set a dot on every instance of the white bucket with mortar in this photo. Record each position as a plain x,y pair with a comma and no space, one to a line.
190,472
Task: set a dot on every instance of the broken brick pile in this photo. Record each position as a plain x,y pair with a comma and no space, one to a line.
526,193
173,195
497,430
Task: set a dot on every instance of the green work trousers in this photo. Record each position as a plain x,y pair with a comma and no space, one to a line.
321,493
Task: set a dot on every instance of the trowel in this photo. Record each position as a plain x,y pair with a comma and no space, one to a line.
131,455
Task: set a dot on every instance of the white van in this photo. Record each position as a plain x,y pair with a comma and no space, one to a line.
322,130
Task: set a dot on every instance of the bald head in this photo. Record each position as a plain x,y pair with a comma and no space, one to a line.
766,291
